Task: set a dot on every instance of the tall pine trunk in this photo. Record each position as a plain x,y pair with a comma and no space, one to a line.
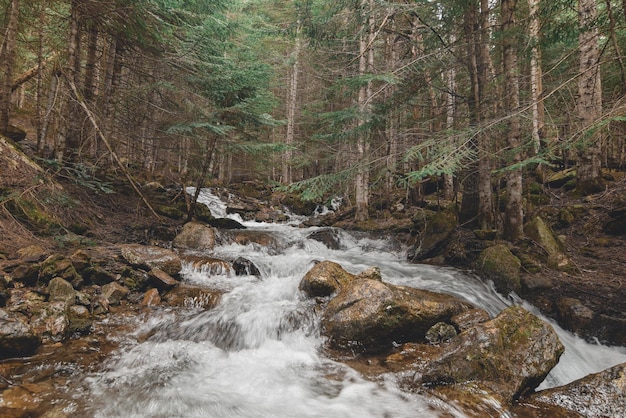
589,99
514,218
7,56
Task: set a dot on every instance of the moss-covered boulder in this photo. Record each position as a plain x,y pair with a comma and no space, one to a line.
59,266
436,234
500,265
511,354
541,233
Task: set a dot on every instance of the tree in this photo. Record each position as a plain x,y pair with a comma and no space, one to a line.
589,103
514,218
7,57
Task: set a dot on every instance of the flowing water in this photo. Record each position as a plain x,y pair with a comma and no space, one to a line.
258,353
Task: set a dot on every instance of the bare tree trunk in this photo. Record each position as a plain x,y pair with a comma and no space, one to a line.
7,54
292,107
514,217
589,99
448,179
536,85
366,62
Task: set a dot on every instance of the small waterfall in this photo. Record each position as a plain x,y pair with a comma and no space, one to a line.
258,352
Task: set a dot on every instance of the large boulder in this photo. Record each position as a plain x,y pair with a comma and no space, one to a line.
60,290
195,236
511,354
17,339
597,395
500,265
149,257
325,279
369,315
57,265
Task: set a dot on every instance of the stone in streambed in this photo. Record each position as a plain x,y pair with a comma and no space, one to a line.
369,315
597,395
195,236
161,280
324,279
149,257
17,338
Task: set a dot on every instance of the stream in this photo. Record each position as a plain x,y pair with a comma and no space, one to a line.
258,353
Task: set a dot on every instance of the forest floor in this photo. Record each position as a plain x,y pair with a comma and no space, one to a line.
104,219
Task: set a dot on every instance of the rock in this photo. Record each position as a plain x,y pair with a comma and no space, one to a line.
79,319
17,339
134,280
561,178
149,257
511,354
195,236
371,273
32,254
114,293
61,290
436,234
26,273
59,266
245,267
469,318
597,395
50,320
440,333
543,235
324,279
80,260
209,265
98,275
574,315
193,297
327,236
161,280
151,298
225,223
500,265
369,315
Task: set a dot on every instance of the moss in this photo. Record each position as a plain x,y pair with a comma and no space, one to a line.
501,266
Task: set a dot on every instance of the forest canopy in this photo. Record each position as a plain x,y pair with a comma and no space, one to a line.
364,99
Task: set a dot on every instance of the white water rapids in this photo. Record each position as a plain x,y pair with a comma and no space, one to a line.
258,352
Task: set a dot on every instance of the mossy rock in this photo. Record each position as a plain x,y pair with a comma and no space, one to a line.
500,265
170,211
541,233
30,214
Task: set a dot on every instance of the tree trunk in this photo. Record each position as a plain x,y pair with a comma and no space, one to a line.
589,99
514,218
536,85
366,62
477,205
8,63
292,107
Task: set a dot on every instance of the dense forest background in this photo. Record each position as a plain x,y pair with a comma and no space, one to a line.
376,101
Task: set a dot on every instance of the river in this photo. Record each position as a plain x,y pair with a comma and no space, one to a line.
258,352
